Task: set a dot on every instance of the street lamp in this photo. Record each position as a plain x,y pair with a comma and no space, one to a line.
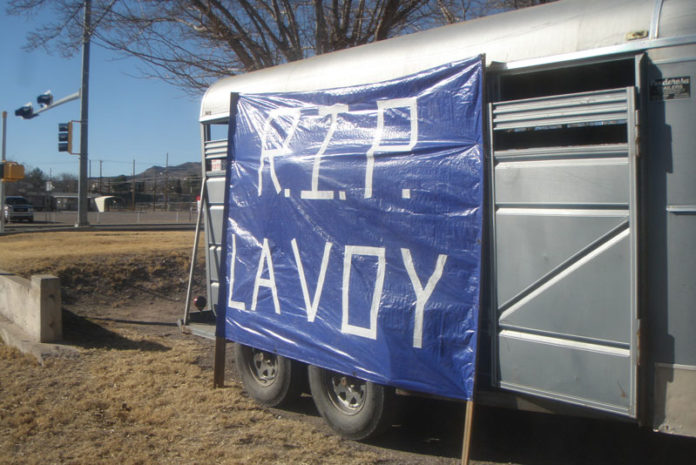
46,102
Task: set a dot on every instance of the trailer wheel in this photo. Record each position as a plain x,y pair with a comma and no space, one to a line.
270,379
353,408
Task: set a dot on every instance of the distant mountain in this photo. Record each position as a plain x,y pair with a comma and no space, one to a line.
178,171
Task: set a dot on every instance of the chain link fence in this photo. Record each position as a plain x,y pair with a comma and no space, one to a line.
122,217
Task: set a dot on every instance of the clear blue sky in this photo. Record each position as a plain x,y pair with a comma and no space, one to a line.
130,118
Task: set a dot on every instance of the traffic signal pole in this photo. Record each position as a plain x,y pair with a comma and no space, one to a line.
2,183
46,102
82,201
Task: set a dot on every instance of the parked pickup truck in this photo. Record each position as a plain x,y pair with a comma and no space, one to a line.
18,208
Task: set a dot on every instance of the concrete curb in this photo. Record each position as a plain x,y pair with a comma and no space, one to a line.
13,336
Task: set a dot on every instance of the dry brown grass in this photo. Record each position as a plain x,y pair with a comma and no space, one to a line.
142,406
105,267
136,394
24,253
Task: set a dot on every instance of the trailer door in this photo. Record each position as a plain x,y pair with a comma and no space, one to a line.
564,247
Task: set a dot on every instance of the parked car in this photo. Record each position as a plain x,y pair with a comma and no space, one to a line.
17,208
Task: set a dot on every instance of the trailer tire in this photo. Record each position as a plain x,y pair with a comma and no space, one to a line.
268,378
353,408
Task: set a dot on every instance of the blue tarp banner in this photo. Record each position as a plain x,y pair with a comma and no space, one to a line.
352,236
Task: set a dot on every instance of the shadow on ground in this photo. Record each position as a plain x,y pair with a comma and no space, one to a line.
551,439
434,427
81,332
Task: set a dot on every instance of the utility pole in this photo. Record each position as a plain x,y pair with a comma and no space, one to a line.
82,202
166,184
133,186
2,183
100,176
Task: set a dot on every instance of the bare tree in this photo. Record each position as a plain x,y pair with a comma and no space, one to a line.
455,11
191,43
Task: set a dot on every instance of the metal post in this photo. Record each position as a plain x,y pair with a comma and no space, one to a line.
194,257
82,205
2,183
133,186
166,184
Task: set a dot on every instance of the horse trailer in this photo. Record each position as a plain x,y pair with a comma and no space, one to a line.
588,295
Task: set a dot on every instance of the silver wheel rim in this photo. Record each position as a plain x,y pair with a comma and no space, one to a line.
263,366
346,393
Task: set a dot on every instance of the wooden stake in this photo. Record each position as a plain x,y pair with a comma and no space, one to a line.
219,365
468,421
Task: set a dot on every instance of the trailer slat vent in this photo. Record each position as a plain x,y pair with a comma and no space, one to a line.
592,107
587,118
215,157
216,149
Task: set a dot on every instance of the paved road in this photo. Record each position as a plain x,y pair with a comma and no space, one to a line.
45,221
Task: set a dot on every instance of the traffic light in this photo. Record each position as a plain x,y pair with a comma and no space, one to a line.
26,111
45,99
11,171
65,137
